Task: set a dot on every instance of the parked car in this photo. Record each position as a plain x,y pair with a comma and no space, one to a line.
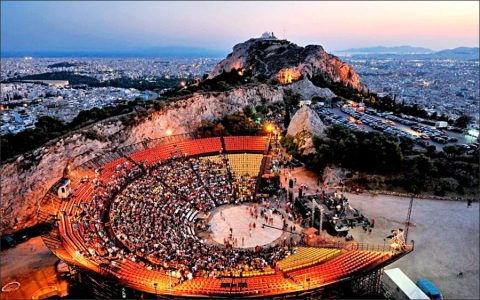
452,140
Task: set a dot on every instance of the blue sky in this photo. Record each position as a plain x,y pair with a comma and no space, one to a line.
114,26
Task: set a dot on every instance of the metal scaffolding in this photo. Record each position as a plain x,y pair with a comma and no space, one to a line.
368,285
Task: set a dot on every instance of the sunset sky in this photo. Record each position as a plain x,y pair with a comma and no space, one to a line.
109,26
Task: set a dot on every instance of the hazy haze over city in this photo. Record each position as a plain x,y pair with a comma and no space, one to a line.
135,26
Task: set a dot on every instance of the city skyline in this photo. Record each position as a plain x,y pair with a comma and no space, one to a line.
128,26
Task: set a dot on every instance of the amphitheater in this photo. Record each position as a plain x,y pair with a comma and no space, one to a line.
130,226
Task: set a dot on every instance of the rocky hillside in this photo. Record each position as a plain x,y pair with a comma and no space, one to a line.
287,61
304,125
26,180
308,90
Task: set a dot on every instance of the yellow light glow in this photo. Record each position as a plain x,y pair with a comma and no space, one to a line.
286,76
269,127
169,132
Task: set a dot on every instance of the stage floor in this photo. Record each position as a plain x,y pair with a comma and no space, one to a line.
238,218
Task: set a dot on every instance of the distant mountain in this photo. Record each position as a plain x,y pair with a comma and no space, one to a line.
386,50
465,53
164,52
460,53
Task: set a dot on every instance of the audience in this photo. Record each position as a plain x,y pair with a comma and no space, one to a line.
150,211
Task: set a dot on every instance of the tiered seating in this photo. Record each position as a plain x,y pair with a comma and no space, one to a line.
305,257
132,274
137,276
194,147
214,178
200,286
246,143
215,158
179,191
50,204
190,147
109,169
339,266
154,155
267,285
245,274
245,164
81,195
258,285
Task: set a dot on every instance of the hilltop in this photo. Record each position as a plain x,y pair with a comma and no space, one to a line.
285,62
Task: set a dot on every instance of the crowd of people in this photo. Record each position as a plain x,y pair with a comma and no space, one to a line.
89,217
149,208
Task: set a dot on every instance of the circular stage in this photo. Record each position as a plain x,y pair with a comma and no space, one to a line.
238,219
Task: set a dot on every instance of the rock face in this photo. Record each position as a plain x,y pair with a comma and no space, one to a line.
26,180
285,61
308,90
304,125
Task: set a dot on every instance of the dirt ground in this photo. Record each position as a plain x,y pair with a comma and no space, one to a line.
33,266
446,235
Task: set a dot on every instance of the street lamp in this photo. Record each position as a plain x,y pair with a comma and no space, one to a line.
269,127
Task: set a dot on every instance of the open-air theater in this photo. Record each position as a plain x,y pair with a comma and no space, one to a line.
130,226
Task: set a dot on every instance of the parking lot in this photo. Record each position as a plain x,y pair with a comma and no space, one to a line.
406,127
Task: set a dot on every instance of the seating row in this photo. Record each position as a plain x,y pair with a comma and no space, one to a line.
248,143
191,147
305,257
339,266
245,164
258,285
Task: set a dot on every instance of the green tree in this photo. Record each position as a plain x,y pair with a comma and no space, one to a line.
291,98
452,150
288,142
219,130
463,121
424,165
286,119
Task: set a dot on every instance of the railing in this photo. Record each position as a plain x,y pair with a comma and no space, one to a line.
349,246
